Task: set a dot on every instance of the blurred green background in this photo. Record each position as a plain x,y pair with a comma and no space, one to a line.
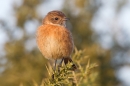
101,27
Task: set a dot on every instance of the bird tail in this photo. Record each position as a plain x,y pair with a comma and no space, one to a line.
67,60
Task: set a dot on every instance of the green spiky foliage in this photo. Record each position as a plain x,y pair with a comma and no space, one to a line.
85,75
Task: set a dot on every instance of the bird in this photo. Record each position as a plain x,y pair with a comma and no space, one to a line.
54,40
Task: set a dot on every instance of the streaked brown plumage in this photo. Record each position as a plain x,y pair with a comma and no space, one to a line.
54,40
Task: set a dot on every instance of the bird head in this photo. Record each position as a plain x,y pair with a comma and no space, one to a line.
56,18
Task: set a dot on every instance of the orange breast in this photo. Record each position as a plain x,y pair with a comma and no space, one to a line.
54,41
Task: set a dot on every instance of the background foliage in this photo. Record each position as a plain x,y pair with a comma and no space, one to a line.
26,66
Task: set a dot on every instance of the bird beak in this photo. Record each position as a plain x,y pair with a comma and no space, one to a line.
65,19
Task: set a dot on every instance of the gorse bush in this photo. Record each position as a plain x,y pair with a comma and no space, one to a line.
84,75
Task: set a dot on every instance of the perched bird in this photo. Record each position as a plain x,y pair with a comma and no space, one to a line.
54,40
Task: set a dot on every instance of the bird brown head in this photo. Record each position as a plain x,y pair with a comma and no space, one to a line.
56,18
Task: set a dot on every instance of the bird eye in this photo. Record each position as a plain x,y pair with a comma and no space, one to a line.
56,18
